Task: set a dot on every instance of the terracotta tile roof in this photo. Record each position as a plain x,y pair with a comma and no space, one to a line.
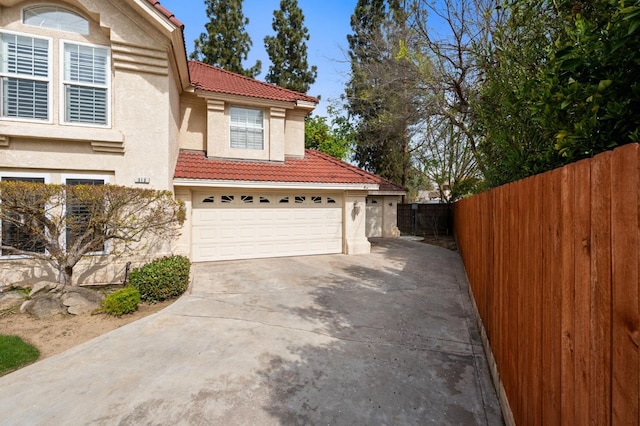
388,186
214,79
315,167
170,16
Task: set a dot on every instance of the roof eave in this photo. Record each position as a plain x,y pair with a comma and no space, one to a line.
244,99
391,193
306,104
173,29
218,183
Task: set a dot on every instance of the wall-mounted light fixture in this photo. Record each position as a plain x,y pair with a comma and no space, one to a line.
356,207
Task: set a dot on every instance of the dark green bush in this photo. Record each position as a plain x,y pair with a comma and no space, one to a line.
161,279
120,302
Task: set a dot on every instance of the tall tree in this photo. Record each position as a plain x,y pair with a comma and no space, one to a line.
381,93
287,50
560,83
448,32
335,139
225,43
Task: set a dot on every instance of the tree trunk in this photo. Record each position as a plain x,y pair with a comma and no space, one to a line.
64,276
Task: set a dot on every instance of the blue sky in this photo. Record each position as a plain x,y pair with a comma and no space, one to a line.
328,24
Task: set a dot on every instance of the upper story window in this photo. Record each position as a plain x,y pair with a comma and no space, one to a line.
85,84
55,18
247,128
25,76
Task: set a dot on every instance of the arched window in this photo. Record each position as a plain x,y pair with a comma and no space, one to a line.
55,18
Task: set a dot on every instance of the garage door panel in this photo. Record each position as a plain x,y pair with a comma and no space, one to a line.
253,230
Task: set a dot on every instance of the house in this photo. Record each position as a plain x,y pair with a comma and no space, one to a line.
102,92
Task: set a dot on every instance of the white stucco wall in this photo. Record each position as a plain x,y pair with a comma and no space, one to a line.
354,227
206,126
140,143
385,222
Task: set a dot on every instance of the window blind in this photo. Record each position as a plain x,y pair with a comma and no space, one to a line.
24,70
85,77
247,128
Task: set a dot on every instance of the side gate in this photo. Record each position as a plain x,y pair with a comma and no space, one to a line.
425,219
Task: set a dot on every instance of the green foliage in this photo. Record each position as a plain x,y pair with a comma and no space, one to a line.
287,50
560,84
161,279
335,141
15,353
225,43
120,302
381,92
55,233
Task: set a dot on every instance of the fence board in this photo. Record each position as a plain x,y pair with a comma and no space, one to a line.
624,210
554,264
534,308
582,312
567,280
521,248
551,300
600,368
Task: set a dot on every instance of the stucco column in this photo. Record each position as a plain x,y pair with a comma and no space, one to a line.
276,134
390,217
217,136
183,244
355,238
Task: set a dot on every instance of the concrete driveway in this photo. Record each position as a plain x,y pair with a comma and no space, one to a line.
384,338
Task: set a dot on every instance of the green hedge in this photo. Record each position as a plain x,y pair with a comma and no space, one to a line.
120,302
161,279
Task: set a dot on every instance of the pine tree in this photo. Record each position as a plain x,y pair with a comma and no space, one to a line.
287,50
225,43
380,92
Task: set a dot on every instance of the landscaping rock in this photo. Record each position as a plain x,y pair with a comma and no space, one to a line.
44,307
90,295
41,287
10,298
77,305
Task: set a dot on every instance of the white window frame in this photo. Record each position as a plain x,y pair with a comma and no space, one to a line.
62,94
246,128
47,179
48,80
106,181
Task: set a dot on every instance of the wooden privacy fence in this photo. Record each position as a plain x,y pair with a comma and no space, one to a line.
553,262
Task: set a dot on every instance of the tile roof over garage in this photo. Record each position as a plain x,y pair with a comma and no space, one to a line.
214,79
315,167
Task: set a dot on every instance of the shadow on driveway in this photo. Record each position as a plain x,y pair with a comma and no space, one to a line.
383,338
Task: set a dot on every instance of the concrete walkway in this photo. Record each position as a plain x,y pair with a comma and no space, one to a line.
385,338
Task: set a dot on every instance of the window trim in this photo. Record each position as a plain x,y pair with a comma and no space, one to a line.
48,80
62,82
47,180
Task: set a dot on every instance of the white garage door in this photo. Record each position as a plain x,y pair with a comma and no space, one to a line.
244,225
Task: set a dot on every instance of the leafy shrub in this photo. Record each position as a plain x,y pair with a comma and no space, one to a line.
120,302
15,353
161,279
